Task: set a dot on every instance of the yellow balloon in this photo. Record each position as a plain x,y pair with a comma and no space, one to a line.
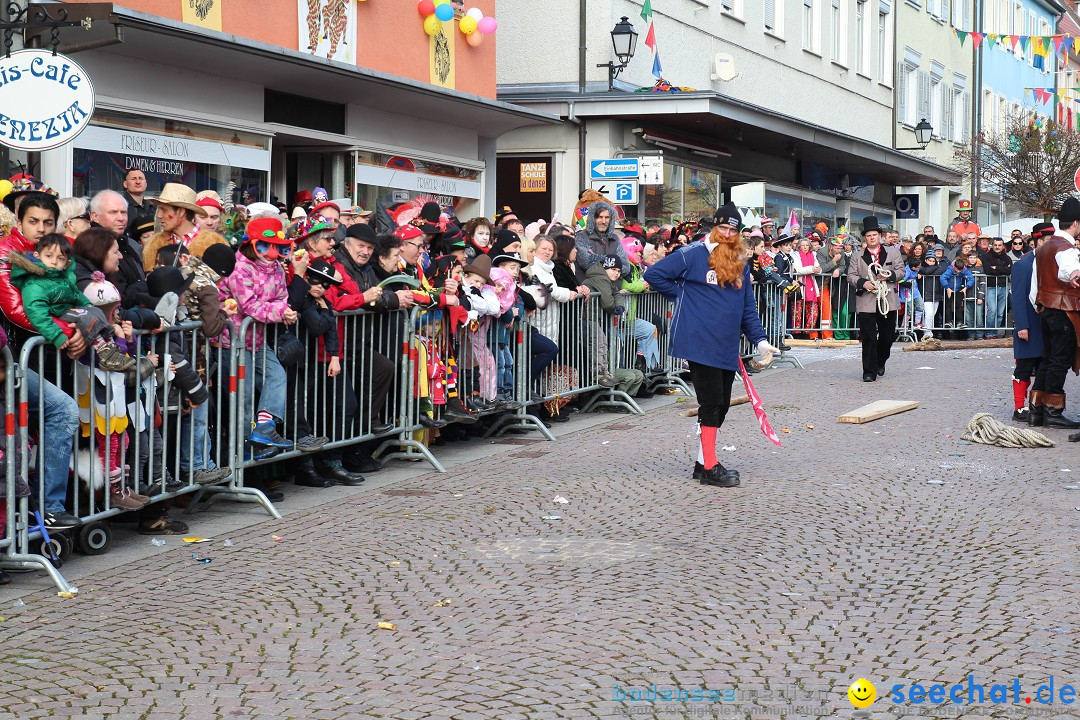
432,25
5,188
441,2
467,25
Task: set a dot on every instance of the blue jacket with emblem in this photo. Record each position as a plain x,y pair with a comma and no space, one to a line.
1025,317
709,319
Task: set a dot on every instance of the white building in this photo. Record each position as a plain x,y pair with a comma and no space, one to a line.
805,121
935,76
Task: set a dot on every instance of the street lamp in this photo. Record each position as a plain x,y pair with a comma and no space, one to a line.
624,41
923,133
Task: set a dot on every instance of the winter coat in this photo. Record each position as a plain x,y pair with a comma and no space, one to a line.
202,240
564,276
360,277
202,300
546,321
46,293
480,301
11,299
954,280
859,272
141,318
592,245
827,264
1024,314
909,285
930,282
708,319
260,293
600,284
317,326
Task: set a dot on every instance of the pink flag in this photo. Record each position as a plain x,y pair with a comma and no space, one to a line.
759,409
650,37
976,38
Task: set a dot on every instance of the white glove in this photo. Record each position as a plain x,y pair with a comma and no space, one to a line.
764,356
763,348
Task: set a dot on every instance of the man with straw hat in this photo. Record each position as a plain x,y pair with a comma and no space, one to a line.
177,208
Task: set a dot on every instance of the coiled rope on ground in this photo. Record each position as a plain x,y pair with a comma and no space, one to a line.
986,429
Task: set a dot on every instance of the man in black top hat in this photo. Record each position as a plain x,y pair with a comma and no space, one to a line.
873,273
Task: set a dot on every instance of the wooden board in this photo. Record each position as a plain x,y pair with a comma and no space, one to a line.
877,410
935,344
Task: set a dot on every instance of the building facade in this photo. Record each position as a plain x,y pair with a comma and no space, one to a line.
935,77
781,107
286,96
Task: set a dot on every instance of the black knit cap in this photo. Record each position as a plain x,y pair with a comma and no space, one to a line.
728,215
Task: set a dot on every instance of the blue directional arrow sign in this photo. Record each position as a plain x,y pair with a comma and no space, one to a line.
614,168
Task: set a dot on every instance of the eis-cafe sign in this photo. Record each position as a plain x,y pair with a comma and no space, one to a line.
45,100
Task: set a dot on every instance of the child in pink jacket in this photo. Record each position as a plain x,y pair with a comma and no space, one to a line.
258,285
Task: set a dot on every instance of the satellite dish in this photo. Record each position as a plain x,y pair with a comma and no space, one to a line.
724,67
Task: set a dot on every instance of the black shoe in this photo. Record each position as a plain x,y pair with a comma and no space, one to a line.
430,422
644,394
1036,416
869,377
361,465
62,520
274,495
784,347
699,471
458,413
381,428
305,475
338,474
560,418
720,476
1021,416
1056,419
507,405
5,579
881,372
1075,437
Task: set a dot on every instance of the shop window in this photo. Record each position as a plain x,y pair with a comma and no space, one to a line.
304,111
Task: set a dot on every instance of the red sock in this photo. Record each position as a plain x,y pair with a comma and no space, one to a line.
1020,392
708,447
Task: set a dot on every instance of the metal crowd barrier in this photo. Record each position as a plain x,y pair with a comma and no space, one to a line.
985,310
15,540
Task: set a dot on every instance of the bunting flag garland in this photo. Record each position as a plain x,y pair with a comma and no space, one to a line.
1042,45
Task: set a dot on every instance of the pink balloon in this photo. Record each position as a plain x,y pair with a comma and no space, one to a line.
474,39
487,25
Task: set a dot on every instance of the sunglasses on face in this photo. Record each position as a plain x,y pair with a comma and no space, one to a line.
1017,242
85,216
263,247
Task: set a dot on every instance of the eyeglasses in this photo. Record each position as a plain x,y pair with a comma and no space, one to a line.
415,244
85,216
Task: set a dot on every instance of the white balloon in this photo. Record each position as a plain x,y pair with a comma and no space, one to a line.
475,13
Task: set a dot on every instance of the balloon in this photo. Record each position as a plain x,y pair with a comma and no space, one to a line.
426,8
5,188
440,2
487,26
467,25
445,12
474,39
475,13
432,25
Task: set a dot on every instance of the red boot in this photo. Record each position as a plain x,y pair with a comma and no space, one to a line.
1020,393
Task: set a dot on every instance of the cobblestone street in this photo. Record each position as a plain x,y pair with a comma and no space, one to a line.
836,559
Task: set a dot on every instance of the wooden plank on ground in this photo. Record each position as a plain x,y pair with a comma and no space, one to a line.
877,410
935,344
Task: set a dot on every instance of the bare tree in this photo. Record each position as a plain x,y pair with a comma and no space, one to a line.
1031,162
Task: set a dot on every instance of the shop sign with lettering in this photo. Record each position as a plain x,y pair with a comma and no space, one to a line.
45,100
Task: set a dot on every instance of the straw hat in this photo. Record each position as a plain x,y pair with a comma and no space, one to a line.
180,196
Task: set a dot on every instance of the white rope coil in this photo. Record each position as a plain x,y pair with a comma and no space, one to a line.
984,428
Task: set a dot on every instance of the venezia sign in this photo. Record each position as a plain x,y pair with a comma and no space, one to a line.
45,100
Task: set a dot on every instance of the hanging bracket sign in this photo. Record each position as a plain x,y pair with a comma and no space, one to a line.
45,100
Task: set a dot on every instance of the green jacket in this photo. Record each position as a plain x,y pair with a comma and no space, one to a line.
47,293
597,280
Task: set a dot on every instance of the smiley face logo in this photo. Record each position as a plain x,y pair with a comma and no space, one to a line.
862,693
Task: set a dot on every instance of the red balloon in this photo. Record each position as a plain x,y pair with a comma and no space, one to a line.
426,8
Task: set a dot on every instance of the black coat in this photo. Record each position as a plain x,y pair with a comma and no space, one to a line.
564,276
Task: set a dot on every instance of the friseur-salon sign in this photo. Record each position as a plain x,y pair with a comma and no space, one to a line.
45,100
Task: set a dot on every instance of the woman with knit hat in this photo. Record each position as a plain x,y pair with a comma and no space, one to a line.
711,281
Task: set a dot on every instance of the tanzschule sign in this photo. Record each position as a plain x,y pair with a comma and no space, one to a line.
45,100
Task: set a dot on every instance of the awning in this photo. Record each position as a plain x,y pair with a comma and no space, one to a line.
150,38
716,120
